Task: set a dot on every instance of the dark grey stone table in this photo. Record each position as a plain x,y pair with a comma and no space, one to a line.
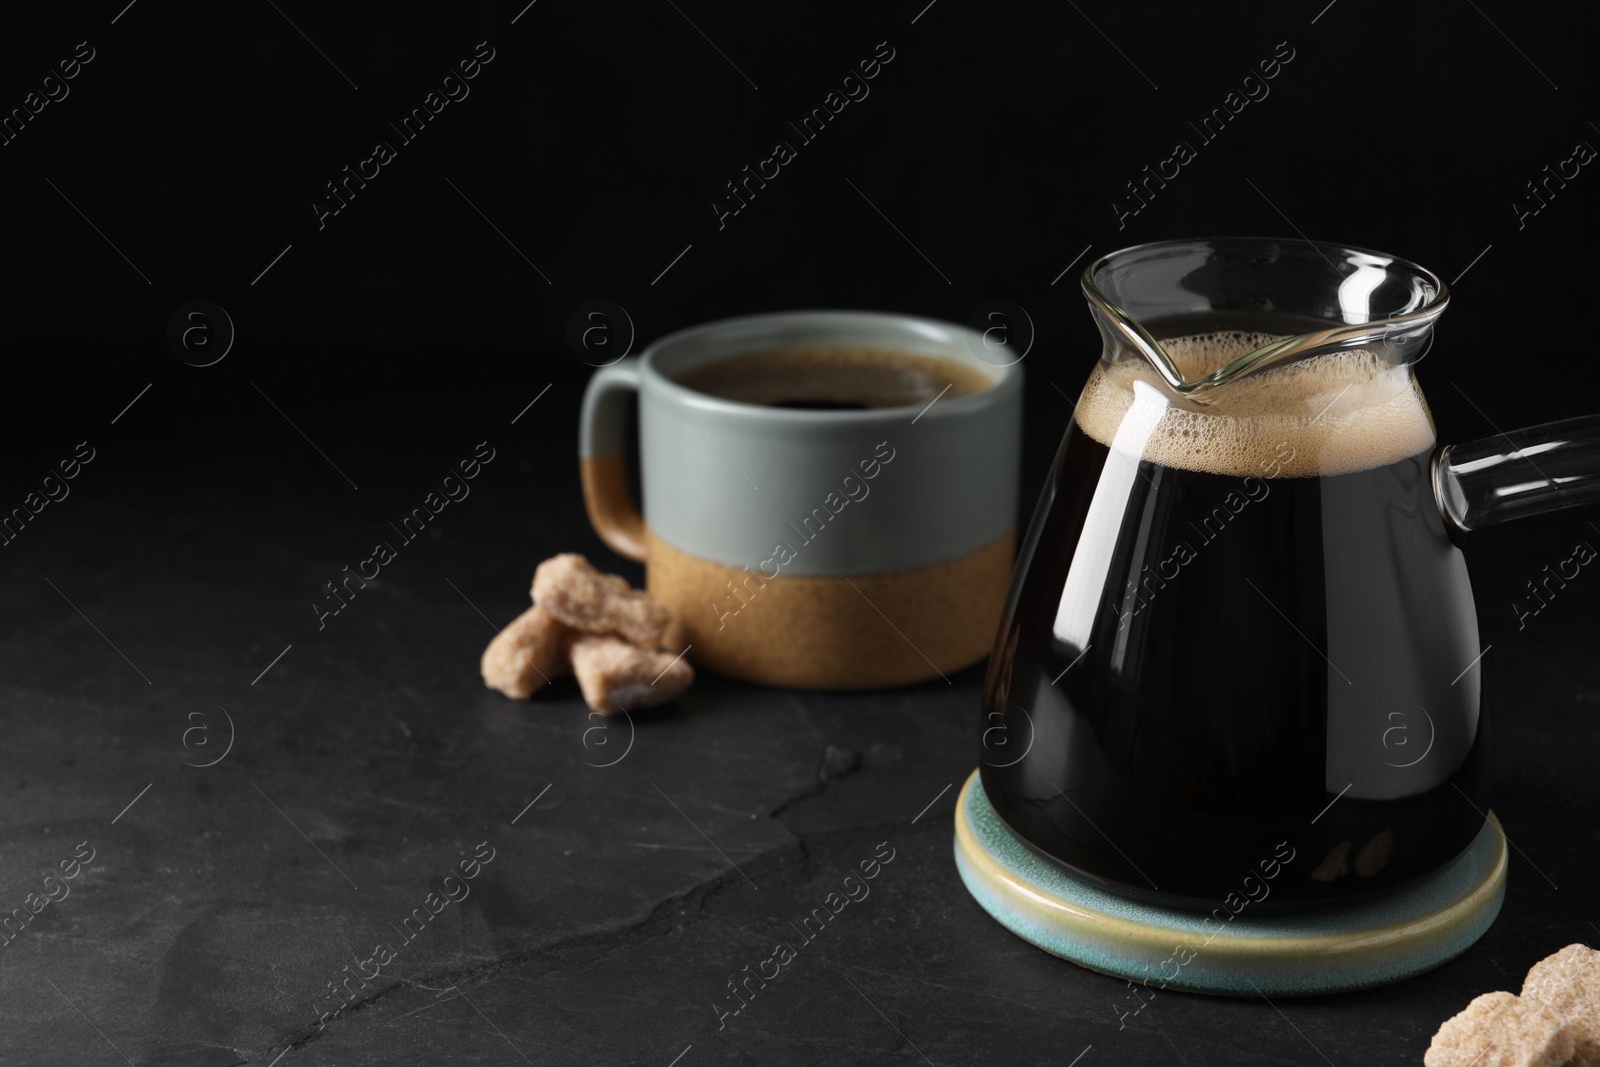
625,872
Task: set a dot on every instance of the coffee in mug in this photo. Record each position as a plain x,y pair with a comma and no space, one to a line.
835,378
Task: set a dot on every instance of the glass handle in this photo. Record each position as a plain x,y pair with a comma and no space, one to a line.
1525,472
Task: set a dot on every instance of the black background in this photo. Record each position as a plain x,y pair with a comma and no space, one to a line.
995,141
410,326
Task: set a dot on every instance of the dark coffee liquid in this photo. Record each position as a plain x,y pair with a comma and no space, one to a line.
1237,641
835,378
821,405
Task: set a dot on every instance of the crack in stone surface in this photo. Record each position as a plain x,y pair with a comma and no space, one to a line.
654,923
837,762
666,917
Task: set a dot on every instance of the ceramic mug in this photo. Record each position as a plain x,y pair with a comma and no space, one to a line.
820,549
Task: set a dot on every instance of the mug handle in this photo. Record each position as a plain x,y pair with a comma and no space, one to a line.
602,464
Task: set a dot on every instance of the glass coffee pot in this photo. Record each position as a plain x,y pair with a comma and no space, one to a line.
1241,624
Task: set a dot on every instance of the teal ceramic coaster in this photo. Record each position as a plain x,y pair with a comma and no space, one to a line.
1363,945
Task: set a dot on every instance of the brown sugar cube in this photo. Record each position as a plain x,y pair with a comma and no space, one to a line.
569,588
1568,983
616,676
1501,1030
526,655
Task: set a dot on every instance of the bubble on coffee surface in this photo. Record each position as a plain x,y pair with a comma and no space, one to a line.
1328,414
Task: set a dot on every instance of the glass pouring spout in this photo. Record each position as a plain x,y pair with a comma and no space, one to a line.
1328,298
1311,299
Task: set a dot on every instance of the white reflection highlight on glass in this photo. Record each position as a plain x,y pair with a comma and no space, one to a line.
1355,292
1102,525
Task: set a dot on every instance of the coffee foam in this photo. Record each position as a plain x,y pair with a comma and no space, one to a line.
840,373
1329,414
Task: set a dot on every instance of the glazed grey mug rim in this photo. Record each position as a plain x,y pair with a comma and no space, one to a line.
826,324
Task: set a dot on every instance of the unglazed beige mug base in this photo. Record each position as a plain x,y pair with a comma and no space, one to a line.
860,631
